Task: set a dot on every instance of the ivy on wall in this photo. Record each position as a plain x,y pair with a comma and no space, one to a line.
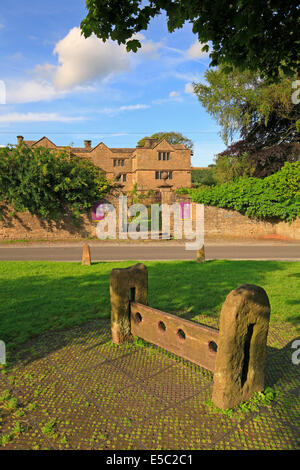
277,195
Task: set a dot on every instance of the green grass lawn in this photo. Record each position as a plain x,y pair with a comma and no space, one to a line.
39,296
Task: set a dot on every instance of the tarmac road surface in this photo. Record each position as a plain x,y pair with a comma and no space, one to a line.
141,252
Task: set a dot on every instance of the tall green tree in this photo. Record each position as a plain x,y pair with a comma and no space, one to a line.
171,137
249,34
258,119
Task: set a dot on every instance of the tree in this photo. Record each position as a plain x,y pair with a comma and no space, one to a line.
172,137
232,167
262,114
248,34
49,184
203,177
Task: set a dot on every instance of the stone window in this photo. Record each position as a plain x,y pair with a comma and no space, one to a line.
163,175
163,155
118,162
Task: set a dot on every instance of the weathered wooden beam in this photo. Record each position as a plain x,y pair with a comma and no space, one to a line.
193,341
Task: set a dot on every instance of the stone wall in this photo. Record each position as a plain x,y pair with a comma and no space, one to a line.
25,226
231,224
219,223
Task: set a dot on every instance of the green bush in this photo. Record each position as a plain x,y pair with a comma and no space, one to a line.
277,195
49,183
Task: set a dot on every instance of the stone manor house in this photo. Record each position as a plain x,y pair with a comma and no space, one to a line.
155,166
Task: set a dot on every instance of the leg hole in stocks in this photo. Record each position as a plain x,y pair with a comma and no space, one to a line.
181,335
138,317
212,346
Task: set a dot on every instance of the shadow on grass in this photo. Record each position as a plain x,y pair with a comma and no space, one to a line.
202,288
280,370
39,297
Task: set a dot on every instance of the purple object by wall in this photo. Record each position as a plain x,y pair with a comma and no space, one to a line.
185,210
98,211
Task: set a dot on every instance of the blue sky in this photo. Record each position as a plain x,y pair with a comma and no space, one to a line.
70,88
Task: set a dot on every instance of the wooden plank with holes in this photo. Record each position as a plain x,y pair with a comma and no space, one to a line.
192,341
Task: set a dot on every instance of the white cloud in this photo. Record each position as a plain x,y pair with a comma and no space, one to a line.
83,59
82,62
45,71
37,117
40,88
195,51
188,77
120,109
189,88
173,96
31,91
133,107
174,49
148,47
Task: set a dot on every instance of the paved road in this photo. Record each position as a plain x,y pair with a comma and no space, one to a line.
287,252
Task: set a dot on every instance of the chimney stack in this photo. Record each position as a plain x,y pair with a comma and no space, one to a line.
149,143
20,139
88,144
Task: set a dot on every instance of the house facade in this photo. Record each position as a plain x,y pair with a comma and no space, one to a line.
157,164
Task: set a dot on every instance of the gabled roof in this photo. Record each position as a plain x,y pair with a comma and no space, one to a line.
102,144
162,144
167,145
43,138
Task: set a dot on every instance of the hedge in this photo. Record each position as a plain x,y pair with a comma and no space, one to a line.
276,196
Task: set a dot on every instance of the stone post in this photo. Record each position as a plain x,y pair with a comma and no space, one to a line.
200,255
126,284
167,195
241,354
86,255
